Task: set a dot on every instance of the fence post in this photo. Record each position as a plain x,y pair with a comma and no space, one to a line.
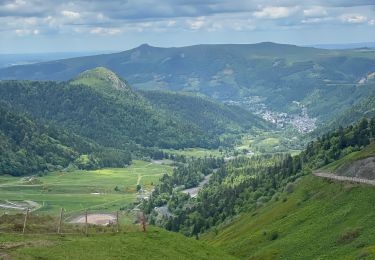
86,223
60,221
117,222
25,221
143,222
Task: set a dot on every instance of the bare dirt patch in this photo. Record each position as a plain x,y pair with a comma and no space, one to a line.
102,219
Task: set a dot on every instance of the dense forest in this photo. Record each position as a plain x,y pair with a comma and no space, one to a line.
28,147
245,183
211,116
101,106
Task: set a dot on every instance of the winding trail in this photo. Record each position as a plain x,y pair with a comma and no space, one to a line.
344,178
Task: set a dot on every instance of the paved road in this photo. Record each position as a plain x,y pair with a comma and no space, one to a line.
343,178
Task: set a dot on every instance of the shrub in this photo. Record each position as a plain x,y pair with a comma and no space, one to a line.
273,235
289,188
348,236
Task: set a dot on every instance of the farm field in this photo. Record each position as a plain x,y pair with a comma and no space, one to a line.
99,190
195,152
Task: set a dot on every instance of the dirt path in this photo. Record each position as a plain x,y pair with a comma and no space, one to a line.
343,178
96,219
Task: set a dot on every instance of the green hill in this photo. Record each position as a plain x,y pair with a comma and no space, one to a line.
155,244
29,147
204,113
363,108
319,219
98,108
99,105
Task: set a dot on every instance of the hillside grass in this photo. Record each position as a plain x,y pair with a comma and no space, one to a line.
155,244
321,219
74,190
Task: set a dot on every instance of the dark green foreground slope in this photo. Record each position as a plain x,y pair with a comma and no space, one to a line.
155,244
321,219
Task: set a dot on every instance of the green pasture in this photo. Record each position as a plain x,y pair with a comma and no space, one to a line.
195,152
80,190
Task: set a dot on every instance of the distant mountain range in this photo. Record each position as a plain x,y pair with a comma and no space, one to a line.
324,81
338,46
13,59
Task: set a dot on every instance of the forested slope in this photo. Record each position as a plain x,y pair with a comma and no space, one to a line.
28,147
115,118
204,113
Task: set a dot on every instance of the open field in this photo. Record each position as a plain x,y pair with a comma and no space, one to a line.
269,142
195,152
80,190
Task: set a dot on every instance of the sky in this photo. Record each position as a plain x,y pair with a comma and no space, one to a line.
34,26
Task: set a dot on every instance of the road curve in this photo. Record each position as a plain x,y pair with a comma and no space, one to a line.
344,178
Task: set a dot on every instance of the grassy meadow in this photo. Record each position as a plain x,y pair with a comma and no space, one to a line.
79,190
195,152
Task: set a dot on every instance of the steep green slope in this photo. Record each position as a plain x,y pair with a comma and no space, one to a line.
363,108
27,147
155,244
204,113
320,219
324,80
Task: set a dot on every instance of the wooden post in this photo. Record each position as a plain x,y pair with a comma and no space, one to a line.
60,221
86,227
25,221
143,220
117,222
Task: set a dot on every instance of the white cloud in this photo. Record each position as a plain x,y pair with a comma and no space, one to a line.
105,31
171,23
197,23
316,11
371,22
275,12
70,14
316,20
353,18
24,32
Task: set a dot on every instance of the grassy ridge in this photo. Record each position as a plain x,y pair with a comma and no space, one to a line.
320,219
155,244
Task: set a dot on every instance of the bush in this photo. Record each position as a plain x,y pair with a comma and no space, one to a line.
289,188
273,235
348,236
